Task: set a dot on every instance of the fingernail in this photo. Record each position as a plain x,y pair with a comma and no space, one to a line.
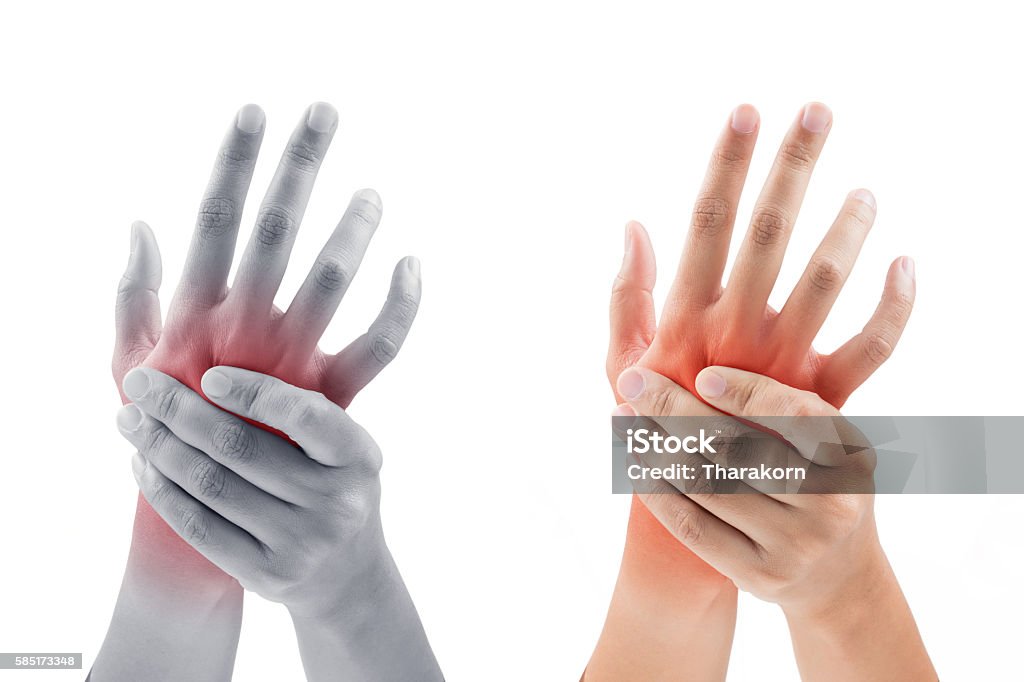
136,384
139,465
322,117
129,418
710,385
250,119
134,237
631,384
413,263
744,119
864,196
816,117
908,266
629,238
215,384
623,410
370,196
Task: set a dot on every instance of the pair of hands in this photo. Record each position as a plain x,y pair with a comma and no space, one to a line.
809,553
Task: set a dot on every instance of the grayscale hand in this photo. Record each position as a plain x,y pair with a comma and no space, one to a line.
297,526
178,616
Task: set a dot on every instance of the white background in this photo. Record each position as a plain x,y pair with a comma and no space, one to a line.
510,146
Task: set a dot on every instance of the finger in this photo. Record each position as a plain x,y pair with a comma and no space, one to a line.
858,358
699,277
266,256
814,427
263,459
363,359
209,482
668,405
826,273
205,276
137,310
723,547
319,296
226,545
760,257
632,305
321,428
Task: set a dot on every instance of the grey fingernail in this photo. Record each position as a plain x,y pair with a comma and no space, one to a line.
413,263
370,196
139,465
322,117
216,384
250,119
136,384
129,418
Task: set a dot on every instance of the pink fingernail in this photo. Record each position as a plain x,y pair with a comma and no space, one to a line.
744,119
631,384
864,196
710,385
907,263
816,117
623,410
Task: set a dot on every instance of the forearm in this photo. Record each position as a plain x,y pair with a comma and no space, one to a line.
866,633
671,616
177,616
374,635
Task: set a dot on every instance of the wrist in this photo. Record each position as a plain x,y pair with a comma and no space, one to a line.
370,629
852,602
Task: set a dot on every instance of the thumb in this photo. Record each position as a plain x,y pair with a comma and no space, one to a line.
653,395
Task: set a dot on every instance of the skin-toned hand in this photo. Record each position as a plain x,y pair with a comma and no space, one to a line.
209,324
704,323
297,526
816,555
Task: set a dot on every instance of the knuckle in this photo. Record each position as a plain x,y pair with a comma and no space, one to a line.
155,439
303,156
207,479
728,158
233,441
275,225
769,226
195,527
825,273
235,159
311,415
688,525
660,403
216,217
878,348
859,214
796,155
901,306
383,347
710,216
331,274
403,310
167,404
363,214
159,491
